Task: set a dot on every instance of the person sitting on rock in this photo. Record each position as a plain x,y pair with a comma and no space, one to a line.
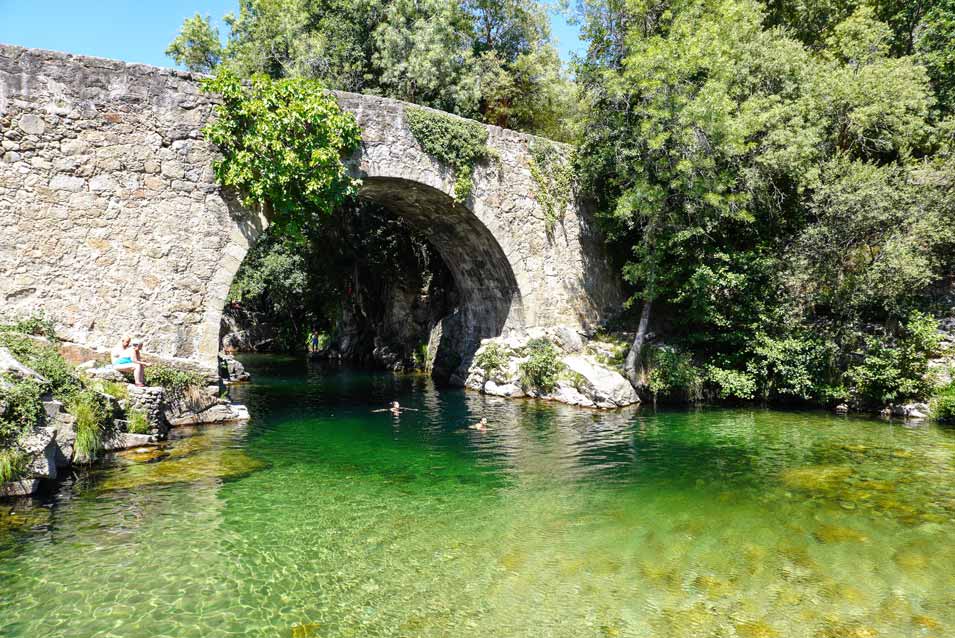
127,359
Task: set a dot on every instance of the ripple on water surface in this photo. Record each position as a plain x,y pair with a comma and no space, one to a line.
322,518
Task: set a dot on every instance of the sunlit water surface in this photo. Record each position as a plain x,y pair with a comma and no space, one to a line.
323,518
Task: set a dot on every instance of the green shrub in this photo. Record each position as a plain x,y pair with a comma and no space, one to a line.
943,405
672,372
457,142
13,463
492,358
795,366
896,372
46,361
20,408
731,384
543,366
93,422
137,422
174,380
38,325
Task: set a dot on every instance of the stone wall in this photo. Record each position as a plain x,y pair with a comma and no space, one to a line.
111,221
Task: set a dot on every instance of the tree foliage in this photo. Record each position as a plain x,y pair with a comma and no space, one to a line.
282,142
777,189
487,59
197,47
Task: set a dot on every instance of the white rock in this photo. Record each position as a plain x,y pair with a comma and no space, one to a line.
603,386
503,390
67,183
31,124
567,393
10,365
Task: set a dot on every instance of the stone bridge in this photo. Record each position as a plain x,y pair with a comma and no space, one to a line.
111,221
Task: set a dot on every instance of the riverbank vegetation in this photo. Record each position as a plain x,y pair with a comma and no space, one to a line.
775,179
782,193
39,373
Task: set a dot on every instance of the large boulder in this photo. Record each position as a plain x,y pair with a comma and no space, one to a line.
605,387
583,382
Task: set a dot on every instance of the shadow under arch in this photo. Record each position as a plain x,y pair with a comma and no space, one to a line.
489,293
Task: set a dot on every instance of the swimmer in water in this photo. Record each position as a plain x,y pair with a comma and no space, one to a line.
395,408
480,425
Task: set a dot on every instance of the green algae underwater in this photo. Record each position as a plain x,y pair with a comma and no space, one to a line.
320,517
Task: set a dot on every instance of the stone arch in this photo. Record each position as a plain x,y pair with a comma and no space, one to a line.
490,295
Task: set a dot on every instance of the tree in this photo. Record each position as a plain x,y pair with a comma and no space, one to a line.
197,47
487,59
282,142
769,202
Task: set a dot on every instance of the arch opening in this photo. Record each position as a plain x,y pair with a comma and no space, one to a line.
406,270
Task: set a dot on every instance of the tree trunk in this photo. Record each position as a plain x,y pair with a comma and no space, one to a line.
634,363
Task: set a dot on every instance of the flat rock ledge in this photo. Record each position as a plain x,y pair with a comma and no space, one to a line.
50,447
589,377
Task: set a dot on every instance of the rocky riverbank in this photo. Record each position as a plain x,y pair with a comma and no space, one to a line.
139,416
554,364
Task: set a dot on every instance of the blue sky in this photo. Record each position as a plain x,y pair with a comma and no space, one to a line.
136,31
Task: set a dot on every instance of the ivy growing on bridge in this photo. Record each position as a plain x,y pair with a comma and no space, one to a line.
554,175
457,142
283,142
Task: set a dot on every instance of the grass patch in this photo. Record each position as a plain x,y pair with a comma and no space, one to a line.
173,380
13,464
93,422
137,423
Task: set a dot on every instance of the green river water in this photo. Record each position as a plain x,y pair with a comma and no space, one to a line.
322,518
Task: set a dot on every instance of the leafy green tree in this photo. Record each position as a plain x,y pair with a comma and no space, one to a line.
769,201
197,47
423,55
283,142
487,59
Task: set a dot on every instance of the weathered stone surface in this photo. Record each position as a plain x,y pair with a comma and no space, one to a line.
23,487
40,445
31,124
111,221
105,373
583,381
511,390
605,387
231,369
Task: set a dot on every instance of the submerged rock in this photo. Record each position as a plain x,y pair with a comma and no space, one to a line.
839,534
208,465
816,478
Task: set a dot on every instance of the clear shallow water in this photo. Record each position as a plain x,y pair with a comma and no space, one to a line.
321,518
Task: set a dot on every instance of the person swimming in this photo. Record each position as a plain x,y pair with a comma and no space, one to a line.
395,408
480,425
